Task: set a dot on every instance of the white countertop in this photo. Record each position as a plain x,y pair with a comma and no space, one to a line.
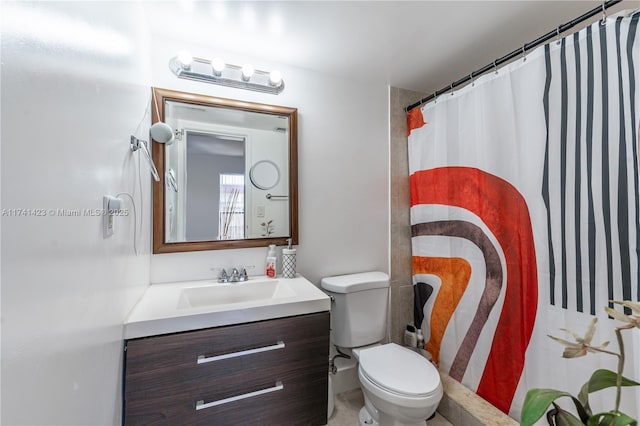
162,309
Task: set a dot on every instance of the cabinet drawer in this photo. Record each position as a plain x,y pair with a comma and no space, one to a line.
298,401
271,371
236,373
160,352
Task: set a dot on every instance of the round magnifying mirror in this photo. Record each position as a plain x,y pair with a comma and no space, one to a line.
162,133
264,174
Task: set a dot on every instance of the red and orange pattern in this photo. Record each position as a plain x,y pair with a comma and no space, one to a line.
504,212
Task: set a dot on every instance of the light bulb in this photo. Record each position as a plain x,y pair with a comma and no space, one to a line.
185,59
275,78
247,72
218,65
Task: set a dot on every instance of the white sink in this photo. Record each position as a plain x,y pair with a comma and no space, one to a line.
228,293
191,305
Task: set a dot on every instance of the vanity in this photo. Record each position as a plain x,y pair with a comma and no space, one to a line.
201,352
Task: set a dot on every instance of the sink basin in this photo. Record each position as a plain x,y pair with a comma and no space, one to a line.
230,293
194,305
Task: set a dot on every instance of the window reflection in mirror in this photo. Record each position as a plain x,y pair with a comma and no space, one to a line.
229,177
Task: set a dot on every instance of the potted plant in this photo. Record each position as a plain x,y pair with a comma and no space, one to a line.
538,401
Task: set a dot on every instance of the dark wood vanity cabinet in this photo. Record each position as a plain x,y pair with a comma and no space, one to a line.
270,372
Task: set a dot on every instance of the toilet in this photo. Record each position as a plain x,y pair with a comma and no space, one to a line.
400,387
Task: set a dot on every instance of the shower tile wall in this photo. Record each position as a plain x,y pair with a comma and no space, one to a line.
400,239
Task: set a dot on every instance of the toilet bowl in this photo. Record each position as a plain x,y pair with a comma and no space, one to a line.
401,388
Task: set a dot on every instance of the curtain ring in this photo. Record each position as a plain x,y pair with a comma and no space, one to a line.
604,14
495,67
524,55
435,97
473,81
558,35
451,87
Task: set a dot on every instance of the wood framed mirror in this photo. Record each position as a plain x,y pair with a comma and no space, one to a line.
229,178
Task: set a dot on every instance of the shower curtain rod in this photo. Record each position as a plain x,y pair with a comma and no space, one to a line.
526,47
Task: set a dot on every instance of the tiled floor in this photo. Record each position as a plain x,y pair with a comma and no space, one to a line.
348,404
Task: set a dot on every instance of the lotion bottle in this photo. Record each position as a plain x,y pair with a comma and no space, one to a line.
271,261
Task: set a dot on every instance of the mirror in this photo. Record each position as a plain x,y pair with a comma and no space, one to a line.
228,179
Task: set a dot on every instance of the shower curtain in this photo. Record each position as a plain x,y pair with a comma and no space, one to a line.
525,215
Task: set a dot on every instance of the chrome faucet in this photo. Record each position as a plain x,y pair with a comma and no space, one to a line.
236,275
222,276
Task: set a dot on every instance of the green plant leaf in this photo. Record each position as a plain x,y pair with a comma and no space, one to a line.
538,401
600,379
611,419
565,418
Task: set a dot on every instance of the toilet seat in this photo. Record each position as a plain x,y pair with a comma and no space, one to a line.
399,371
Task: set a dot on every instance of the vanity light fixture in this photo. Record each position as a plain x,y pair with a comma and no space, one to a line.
247,72
216,71
218,66
275,78
185,59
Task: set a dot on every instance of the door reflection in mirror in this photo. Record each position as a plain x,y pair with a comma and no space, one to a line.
210,195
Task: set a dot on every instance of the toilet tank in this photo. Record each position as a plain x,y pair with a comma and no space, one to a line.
358,308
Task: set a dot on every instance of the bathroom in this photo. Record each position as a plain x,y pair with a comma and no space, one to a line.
76,82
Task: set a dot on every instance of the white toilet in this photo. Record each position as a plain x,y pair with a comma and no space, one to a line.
400,387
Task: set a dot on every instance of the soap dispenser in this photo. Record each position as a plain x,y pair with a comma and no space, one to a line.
271,261
289,261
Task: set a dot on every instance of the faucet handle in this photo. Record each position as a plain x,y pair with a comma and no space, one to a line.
243,275
222,275
243,272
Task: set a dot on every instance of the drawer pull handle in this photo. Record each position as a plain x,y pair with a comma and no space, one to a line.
203,359
200,405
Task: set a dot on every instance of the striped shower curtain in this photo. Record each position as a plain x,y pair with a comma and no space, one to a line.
525,215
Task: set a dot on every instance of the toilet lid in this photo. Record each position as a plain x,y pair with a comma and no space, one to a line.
399,370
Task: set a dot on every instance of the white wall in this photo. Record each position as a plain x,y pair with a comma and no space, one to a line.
343,169
75,84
